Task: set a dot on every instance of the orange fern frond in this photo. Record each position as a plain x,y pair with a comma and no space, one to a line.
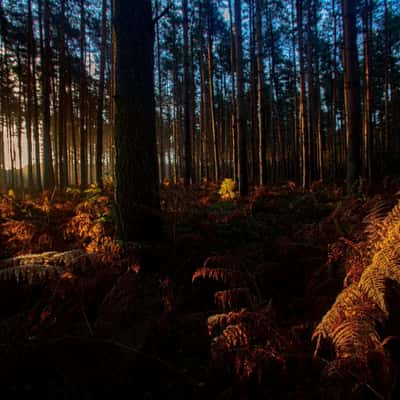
234,299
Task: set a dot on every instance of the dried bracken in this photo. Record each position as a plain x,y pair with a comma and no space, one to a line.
353,326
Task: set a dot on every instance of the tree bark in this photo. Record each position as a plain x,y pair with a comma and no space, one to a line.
262,142
48,170
186,98
100,103
352,94
302,99
137,187
82,101
241,125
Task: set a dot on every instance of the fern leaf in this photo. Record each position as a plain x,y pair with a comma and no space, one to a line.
349,297
233,337
355,337
30,273
227,276
234,298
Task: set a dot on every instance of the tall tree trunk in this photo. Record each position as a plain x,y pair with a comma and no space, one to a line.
19,123
48,170
160,99
100,103
352,94
233,96
62,115
188,176
82,100
295,98
367,116
253,132
262,142
387,134
302,100
137,188
38,169
243,173
210,60
29,99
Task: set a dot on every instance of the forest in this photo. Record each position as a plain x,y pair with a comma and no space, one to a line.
200,199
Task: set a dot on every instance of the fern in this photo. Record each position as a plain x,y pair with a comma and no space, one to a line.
351,325
234,298
232,337
38,267
384,266
30,273
380,230
348,298
244,290
355,336
227,276
245,342
258,361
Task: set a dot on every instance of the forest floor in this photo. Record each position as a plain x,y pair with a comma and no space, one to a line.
224,306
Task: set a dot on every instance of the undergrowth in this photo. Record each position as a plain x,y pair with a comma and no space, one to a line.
285,294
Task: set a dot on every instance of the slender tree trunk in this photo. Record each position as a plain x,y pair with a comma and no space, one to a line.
29,97
48,171
100,103
352,94
188,176
160,99
302,100
38,169
311,137
367,116
387,77
82,101
233,96
62,115
253,136
19,124
260,99
295,98
242,134
210,60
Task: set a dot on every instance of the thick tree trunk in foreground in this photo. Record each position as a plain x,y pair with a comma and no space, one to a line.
137,191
